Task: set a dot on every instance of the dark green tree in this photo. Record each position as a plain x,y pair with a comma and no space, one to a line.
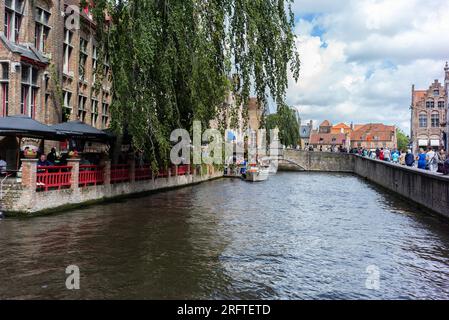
403,140
173,61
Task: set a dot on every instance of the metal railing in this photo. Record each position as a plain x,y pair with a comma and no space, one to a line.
91,175
53,178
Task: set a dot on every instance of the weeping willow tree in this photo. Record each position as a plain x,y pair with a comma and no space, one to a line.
174,61
286,121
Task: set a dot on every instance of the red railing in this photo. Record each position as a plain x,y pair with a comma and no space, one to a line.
183,170
91,175
144,173
120,173
53,178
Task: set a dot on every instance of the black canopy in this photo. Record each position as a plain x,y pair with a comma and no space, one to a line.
80,130
24,126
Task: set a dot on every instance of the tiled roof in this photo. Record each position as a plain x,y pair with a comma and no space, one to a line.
341,126
325,123
373,132
25,51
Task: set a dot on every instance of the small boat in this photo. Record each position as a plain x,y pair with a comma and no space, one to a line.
257,173
271,164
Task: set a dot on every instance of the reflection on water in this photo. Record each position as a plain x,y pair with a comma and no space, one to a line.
297,236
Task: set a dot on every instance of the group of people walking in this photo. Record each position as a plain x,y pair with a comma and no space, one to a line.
431,160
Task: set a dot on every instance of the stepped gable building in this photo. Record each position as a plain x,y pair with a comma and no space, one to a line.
429,114
47,63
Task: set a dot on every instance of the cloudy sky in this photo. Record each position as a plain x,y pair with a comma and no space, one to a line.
360,57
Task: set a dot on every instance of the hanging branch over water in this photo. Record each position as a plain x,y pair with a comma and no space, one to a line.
173,61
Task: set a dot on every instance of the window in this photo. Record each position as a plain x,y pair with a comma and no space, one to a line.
67,107
106,65
436,92
67,50
4,88
29,91
441,104
82,108
42,29
105,116
435,120
430,104
83,59
4,71
13,19
94,113
423,120
94,63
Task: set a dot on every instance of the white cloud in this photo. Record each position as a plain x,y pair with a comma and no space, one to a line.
360,57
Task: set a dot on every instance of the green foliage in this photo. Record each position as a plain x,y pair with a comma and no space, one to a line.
285,120
403,139
173,61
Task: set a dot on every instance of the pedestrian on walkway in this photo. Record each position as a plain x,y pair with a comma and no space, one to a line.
441,160
432,160
422,159
402,158
409,158
377,153
387,155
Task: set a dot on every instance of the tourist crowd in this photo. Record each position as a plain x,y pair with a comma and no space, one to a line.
431,160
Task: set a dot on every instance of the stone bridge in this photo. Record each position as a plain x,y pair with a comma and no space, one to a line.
298,160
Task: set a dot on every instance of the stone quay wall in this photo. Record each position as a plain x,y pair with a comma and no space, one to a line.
23,199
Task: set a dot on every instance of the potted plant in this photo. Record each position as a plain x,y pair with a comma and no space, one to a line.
73,154
30,154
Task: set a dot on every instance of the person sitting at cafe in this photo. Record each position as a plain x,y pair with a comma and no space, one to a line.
3,165
43,162
52,156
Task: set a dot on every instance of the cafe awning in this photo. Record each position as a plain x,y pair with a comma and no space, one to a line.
423,143
24,126
434,143
79,130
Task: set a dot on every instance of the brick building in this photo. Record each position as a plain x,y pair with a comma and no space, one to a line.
324,139
48,55
429,111
374,135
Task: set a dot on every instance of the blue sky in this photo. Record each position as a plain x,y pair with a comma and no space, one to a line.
361,57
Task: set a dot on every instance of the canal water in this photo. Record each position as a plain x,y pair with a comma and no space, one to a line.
296,236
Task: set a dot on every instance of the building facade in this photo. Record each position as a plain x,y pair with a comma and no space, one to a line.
429,112
304,134
373,136
49,56
323,139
